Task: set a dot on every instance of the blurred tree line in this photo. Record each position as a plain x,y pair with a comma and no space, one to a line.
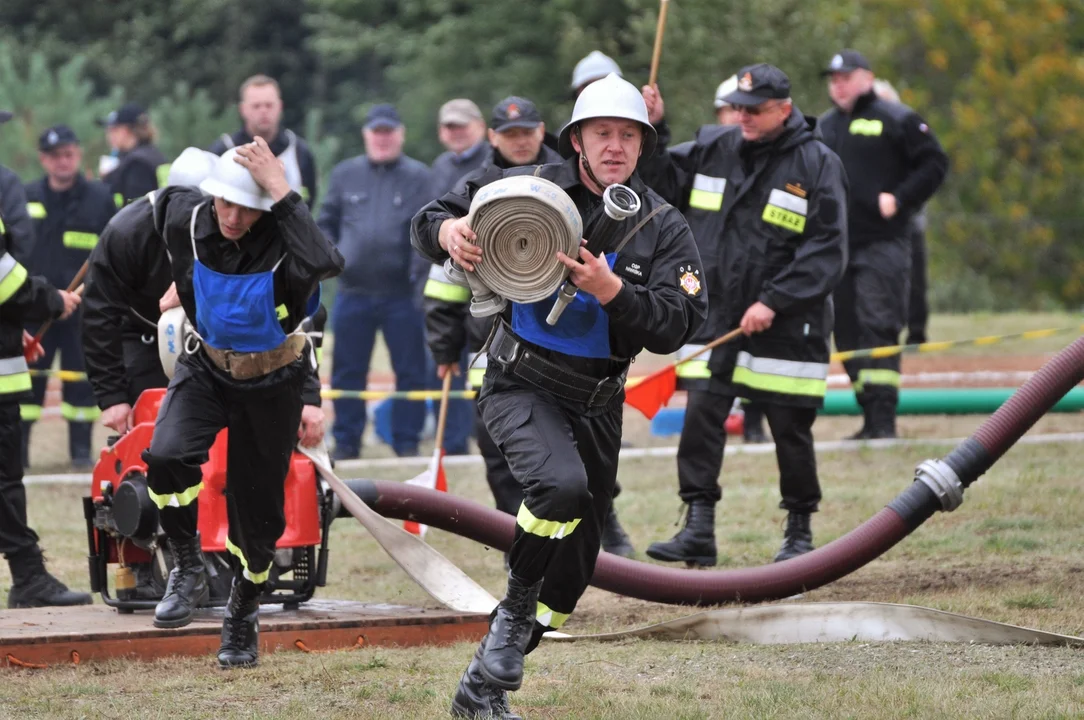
1001,83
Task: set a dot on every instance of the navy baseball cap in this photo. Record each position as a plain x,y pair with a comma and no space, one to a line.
55,137
515,112
758,84
846,61
382,117
127,114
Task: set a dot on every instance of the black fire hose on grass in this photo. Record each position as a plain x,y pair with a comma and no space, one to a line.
938,485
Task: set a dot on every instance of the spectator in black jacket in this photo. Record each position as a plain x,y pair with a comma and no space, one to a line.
141,167
894,165
13,208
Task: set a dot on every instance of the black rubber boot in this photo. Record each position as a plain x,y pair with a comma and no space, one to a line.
241,626
79,445
475,698
694,543
797,538
882,418
509,632
614,539
186,589
32,586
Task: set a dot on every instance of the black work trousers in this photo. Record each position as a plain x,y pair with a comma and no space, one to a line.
918,312
703,439
142,365
871,310
15,533
262,416
507,493
565,460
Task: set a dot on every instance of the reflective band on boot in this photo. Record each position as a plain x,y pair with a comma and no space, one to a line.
544,528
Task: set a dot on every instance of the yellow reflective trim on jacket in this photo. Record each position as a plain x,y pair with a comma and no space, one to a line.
707,192
181,499
3,228
319,355
252,577
30,413
78,413
118,200
36,210
863,126
548,617
14,375
876,376
544,528
448,292
693,370
12,277
787,377
161,173
305,194
281,313
786,219
80,240
475,377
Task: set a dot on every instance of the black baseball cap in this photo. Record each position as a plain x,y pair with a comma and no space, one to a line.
758,84
382,117
515,112
128,114
5,115
55,137
846,61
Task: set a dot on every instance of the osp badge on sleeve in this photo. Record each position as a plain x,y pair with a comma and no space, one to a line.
689,280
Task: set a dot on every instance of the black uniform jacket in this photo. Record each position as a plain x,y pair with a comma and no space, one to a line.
288,230
885,147
140,171
655,309
449,326
770,223
66,226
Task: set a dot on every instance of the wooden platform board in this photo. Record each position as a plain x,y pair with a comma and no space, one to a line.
52,636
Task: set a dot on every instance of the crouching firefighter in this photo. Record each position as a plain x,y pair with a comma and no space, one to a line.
235,258
769,203
23,299
552,395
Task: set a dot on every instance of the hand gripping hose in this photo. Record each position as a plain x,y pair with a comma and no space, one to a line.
938,485
619,204
521,222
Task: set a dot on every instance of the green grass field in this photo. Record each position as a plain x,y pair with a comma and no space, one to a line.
1011,553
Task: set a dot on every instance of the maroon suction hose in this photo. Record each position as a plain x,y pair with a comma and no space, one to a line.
938,485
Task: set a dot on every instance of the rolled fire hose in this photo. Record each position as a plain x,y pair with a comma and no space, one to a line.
174,332
521,222
619,204
938,485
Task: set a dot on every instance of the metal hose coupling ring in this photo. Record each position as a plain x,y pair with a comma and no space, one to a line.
620,203
521,222
942,480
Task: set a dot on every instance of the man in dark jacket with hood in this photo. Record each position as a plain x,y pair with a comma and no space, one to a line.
766,202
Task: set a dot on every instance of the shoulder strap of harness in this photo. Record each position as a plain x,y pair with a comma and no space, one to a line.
639,226
538,171
227,140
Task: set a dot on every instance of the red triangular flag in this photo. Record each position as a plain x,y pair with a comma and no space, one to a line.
434,479
653,392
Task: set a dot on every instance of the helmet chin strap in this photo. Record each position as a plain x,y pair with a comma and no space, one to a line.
584,162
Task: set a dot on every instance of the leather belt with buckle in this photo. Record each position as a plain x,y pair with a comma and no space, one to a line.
248,365
517,359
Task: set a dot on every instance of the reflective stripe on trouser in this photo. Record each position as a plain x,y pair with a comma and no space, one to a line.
785,377
12,277
703,440
262,424
566,464
439,286
476,372
246,572
871,311
177,499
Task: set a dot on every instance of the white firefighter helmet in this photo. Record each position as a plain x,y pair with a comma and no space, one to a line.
174,331
595,66
191,167
610,97
233,182
725,88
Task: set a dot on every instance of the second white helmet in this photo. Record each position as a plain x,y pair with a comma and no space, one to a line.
191,167
233,182
594,66
725,88
610,97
